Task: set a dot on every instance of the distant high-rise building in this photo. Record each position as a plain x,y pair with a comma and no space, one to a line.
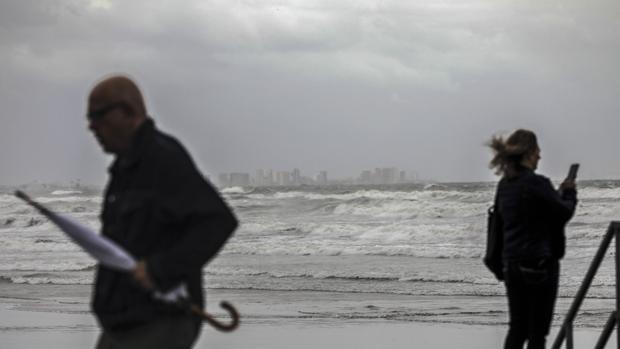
321,178
296,176
366,177
239,179
259,179
269,177
283,178
307,180
377,176
264,177
388,175
223,179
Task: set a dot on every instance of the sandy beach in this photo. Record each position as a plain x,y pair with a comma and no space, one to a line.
30,329
270,320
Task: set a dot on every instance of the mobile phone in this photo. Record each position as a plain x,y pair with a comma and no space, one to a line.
572,172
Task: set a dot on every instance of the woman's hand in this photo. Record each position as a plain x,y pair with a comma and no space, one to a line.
567,184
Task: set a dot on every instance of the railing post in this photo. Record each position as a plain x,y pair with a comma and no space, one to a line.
569,336
609,327
596,262
615,226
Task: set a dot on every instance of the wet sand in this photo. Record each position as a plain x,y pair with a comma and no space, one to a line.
28,320
31,330
34,329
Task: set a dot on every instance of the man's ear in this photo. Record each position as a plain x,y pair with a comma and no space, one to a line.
129,111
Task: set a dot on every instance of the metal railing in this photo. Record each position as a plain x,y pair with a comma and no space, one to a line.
566,331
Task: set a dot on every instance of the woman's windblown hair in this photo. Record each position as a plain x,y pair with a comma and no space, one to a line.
508,153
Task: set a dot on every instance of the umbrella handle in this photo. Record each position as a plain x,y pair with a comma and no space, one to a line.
234,315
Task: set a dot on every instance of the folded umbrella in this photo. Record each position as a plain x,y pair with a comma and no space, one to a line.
110,254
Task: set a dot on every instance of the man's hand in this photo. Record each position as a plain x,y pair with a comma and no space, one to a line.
141,276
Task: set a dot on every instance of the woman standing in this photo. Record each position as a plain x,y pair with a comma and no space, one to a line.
532,216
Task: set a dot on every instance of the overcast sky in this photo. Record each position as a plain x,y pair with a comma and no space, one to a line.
328,85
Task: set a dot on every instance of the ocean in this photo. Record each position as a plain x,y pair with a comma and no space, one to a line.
408,252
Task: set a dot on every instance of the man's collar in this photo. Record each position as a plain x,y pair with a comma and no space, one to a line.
138,144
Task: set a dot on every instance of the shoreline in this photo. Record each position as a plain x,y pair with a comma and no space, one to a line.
80,331
32,316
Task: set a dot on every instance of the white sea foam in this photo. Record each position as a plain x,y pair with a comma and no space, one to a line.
43,244
442,240
56,280
443,223
590,193
95,200
423,276
65,192
46,264
374,194
433,193
233,190
6,198
411,209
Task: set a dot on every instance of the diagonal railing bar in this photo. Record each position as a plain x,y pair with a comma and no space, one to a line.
566,332
609,327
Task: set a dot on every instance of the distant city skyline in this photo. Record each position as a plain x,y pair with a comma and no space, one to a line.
295,176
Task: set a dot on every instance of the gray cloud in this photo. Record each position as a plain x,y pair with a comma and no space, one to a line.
335,85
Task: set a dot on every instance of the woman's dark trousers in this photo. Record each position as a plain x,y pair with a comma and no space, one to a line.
532,288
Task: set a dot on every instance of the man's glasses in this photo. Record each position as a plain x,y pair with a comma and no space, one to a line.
101,112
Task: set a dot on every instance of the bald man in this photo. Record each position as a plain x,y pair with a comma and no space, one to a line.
158,207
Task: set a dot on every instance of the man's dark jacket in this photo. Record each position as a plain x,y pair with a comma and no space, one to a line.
532,216
159,208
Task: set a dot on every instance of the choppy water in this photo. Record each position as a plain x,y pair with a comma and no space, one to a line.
416,240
